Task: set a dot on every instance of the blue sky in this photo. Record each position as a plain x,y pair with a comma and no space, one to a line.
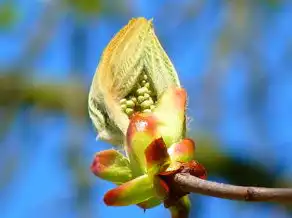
43,185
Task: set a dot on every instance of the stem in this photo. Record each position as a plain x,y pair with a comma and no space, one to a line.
189,183
181,209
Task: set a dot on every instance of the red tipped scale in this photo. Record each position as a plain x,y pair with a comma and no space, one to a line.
180,98
141,123
141,132
133,192
157,158
170,112
111,165
175,193
183,151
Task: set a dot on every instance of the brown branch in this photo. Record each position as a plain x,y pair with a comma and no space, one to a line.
189,183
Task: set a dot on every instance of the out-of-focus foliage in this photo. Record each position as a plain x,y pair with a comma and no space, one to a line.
8,14
86,6
93,8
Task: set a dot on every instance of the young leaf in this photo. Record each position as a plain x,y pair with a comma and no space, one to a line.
111,165
170,112
133,192
183,151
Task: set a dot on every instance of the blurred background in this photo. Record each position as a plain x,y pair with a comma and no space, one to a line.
233,57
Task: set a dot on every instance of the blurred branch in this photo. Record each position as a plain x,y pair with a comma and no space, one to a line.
39,35
241,171
188,183
7,14
49,95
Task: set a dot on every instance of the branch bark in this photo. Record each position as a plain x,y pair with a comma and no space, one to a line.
189,183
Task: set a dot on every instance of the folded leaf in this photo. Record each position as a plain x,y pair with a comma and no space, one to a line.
111,165
134,50
116,74
133,192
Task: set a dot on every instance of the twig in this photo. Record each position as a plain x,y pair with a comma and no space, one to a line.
189,183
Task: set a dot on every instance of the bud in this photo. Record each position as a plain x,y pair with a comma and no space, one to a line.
133,72
136,100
